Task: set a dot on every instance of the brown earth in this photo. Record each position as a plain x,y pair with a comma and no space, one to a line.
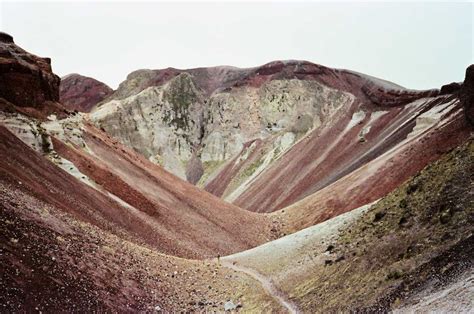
52,261
82,93
114,237
26,80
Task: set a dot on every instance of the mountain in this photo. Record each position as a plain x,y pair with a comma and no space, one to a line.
348,192
75,166
266,137
417,238
82,93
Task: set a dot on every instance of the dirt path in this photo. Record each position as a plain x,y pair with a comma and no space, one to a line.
266,284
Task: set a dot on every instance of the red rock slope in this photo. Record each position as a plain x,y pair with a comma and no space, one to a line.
351,141
64,246
376,124
82,93
79,169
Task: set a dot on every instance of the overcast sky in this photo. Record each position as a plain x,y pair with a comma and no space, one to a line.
417,45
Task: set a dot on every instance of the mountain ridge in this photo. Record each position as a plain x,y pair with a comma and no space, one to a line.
93,216
82,93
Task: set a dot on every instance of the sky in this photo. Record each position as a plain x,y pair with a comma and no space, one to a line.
416,45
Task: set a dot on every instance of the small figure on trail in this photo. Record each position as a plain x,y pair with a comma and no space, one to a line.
218,259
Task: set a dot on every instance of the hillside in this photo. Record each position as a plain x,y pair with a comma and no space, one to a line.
82,93
375,257
288,187
264,138
75,166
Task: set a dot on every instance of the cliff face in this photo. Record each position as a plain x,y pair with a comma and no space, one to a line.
266,137
232,130
467,94
70,164
173,122
82,93
26,80
76,207
89,224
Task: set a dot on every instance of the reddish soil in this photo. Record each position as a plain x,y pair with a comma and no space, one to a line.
377,177
82,93
329,153
183,220
52,262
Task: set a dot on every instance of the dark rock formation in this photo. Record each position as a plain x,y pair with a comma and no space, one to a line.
5,38
467,94
82,93
26,80
391,98
450,88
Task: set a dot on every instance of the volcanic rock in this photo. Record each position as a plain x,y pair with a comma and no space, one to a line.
450,88
467,94
5,38
26,80
82,93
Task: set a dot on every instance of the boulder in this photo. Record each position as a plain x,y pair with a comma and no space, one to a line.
230,306
27,83
26,80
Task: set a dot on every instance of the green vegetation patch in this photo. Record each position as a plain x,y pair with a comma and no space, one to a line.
386,247
209,168
248,171
181,94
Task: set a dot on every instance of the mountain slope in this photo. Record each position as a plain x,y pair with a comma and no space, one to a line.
90,222
52,261
373,258
264,138
82,93
101,182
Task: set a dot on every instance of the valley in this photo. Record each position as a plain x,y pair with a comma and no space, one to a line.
286,187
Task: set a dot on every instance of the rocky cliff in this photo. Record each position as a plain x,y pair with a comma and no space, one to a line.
467,94
232,131
80,170
26,80
211,114
82,93
89,224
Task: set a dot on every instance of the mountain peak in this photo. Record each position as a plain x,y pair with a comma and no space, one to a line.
82,93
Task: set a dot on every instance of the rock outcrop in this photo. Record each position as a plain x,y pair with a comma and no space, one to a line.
26,80
88,224
467,94
450,88
266,137
92,177
82,93
171,115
